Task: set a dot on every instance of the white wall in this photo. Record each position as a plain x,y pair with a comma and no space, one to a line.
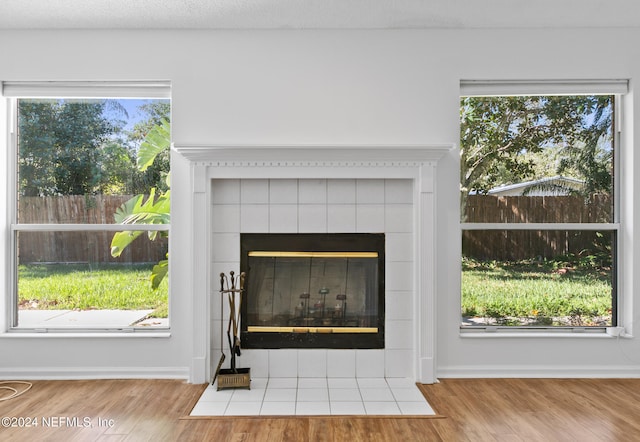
328,87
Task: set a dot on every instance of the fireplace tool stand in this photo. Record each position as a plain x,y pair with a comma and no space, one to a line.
232,377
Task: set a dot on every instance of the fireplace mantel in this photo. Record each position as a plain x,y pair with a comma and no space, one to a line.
413,162
313,155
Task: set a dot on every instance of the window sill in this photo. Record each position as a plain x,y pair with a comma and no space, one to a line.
16,334
577,333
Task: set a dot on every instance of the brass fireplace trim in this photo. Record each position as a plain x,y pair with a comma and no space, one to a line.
266,329
284,254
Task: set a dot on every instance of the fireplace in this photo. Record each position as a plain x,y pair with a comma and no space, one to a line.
308,189
313,290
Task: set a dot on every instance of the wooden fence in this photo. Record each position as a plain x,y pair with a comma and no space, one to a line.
84,247
94,247
524,244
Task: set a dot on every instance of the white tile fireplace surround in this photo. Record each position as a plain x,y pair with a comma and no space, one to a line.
319,189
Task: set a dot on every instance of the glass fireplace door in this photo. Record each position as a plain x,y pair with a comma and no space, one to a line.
313,292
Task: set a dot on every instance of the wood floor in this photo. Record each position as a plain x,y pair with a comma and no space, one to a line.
469,410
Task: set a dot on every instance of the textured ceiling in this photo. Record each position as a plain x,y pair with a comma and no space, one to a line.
315,14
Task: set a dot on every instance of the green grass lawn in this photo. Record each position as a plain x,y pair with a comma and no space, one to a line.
559,292
81,287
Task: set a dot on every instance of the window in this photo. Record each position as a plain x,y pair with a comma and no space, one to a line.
539,206
88,159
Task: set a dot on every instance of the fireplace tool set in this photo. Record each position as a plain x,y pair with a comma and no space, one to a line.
232,377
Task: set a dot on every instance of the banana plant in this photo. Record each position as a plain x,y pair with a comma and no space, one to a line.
155,209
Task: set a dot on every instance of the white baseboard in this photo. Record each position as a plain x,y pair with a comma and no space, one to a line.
74,373
595,372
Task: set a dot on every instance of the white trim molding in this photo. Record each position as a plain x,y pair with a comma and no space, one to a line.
69,373
540,371
414,162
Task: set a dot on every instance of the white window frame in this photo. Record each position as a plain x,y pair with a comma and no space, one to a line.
616,87
11,92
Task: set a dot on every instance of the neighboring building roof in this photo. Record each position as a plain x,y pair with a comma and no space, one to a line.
549,186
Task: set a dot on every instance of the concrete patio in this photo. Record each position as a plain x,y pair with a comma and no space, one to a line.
88,319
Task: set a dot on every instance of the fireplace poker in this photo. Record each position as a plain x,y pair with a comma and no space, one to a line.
222,355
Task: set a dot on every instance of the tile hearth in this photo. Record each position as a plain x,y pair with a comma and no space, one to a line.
316,396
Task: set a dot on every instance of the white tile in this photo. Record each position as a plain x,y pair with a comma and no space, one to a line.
370,218
312,218
341,218
377,394
370,363
225,218
398,218
243,409
211,394
399,276
214,333
225,191
280,394
254,218
254,191
347,408
312,191
312,363
258,360
252,395
225,247
398,247
408,395
341,191
398,305
283,218
342,383
283,363
312,383
282,383
416,408
341,363
344,394
398,363
398,191
370,191
278,409
399,335
400,382
381,408
377,382
258,383
283,191
312,408
313,394
209,409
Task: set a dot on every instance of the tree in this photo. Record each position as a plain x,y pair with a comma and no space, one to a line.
153,210
504,140
68,147
60,145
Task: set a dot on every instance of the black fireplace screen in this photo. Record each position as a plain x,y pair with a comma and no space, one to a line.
313,291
